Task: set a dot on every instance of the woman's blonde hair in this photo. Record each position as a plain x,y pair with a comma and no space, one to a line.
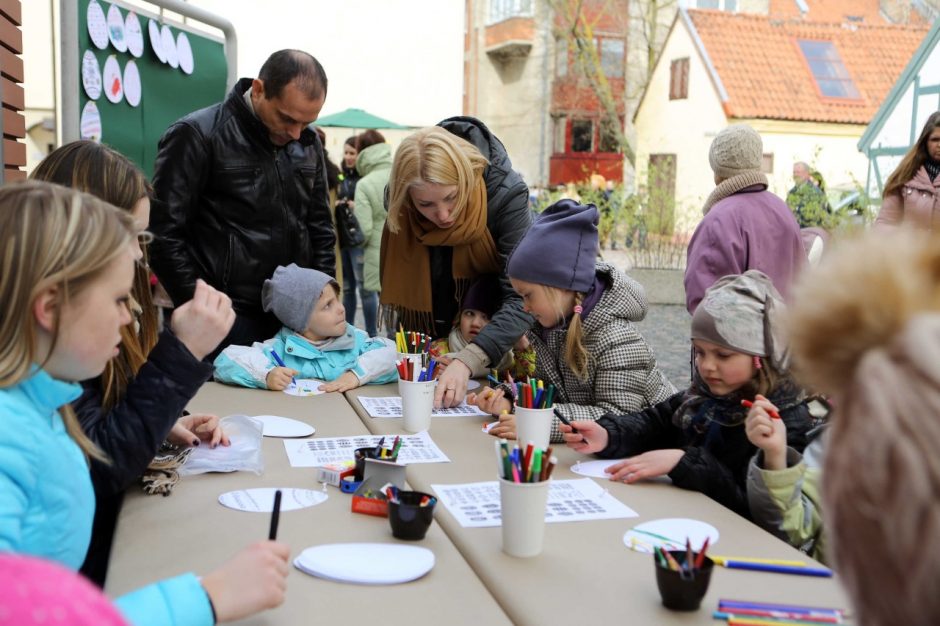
103,172
576,355
50,236
433,155
865,327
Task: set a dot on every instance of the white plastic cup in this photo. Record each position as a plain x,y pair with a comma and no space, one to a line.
533,425
522,509
417,402
414,358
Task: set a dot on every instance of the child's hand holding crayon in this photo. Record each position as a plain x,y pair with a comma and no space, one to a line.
490,400
279,378
767,431
506,428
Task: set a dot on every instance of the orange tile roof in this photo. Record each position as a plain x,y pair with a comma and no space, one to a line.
759,62
868,11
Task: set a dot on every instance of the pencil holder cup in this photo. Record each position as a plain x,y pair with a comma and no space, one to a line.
417,401
408,519
415,359
681,590
533,425
522,513
361,454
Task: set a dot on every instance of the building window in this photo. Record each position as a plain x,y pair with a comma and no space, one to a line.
561,57
582,136
611,53
767,163
558,140
828,69
679,79
607,140
724,5
504,9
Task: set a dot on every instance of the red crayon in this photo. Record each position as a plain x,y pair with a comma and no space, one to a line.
748,404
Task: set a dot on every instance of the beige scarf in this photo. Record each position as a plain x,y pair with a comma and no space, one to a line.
405,265
733,185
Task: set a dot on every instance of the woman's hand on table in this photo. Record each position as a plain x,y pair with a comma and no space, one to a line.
344,383
452,385
586,437
189,430
647,465
253,580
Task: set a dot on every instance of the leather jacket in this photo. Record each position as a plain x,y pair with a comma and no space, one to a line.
229,206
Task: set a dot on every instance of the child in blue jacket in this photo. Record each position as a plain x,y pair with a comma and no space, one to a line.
315,342
63,299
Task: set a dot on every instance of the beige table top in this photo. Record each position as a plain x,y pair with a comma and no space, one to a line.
190,531
585,572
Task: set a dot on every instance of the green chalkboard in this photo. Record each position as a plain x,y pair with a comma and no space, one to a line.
166,95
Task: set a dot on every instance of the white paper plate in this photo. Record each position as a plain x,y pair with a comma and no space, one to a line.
277,426
305,387
366,563
594,469
261,500
472,384
670,534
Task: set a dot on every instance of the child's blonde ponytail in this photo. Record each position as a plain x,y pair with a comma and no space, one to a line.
576,355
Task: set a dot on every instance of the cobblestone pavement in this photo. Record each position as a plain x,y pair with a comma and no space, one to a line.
666,326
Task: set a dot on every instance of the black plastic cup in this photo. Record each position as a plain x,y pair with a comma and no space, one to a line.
683,591
361,454
410,521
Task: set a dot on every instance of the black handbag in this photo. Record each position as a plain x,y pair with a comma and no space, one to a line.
347,227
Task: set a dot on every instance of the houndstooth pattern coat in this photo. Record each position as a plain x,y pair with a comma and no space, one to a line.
622,373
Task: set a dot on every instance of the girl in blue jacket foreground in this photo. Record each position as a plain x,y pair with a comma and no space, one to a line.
64,288
315,342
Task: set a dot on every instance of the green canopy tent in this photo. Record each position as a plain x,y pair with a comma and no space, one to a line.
357,119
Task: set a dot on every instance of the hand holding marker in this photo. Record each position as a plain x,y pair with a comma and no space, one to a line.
277,359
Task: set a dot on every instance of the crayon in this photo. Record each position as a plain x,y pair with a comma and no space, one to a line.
748,404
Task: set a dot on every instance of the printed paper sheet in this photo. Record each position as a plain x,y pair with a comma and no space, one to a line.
390,406
417,448
476,505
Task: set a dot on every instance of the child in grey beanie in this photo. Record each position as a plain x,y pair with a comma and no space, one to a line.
315,342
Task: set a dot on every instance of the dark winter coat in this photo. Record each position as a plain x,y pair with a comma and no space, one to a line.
131,433
507,218
229,206
715,461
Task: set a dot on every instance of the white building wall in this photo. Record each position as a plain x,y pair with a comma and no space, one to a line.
681,127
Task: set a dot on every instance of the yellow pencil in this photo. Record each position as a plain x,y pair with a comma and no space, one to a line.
720,560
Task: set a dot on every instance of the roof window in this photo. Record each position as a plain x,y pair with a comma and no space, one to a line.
828,69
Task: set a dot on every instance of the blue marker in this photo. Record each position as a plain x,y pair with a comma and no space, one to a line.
277,359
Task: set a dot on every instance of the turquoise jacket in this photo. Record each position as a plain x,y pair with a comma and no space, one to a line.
372,360
47,502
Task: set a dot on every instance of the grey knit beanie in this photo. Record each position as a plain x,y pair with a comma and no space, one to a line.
559,249
292,293
736,150
743,312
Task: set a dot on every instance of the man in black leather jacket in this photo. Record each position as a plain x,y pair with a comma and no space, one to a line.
240,188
